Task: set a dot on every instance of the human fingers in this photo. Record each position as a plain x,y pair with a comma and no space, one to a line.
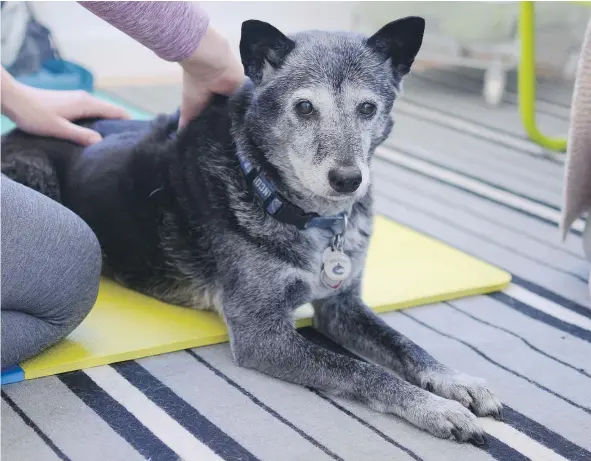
64,129
85,105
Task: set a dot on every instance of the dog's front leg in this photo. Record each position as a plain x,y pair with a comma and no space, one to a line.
263,337
346,319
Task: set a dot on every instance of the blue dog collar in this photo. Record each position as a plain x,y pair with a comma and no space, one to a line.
280,208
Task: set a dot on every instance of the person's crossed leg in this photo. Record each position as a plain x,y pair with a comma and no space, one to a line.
51,264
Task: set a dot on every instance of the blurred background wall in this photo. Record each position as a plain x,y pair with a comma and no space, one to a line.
456,32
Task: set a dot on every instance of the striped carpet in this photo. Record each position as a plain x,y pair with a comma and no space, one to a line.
453,169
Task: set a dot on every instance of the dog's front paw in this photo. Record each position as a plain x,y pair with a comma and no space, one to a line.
448,419
471,392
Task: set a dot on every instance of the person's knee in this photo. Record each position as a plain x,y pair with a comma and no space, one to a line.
84,280
77,289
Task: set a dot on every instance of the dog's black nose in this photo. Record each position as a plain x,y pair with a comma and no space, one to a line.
345,179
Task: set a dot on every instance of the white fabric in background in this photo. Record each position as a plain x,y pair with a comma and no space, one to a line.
15,17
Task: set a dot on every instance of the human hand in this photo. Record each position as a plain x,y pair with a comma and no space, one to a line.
211,69
50,112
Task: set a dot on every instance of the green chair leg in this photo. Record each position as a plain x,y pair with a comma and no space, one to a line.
526,84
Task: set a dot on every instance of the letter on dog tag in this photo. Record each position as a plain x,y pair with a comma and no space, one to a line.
336,267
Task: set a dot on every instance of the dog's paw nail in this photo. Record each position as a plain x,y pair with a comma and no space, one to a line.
429,387
477,439
498,414
456,434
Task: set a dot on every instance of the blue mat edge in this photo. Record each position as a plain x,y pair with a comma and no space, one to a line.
13,374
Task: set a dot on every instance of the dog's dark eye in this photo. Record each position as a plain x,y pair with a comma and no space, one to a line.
367,108
304,107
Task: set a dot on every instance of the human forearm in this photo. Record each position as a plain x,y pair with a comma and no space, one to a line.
179,32
173,30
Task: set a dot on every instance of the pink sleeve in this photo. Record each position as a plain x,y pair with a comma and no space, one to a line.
172,30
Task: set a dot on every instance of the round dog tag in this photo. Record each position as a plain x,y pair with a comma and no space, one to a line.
337,265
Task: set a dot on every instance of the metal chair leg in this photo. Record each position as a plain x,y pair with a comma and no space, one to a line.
526,84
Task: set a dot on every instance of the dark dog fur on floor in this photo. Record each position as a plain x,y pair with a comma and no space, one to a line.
179,216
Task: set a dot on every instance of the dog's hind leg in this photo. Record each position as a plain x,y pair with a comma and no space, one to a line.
33,169
348,321
263,337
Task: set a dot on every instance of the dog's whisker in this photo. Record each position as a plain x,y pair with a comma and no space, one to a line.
155,191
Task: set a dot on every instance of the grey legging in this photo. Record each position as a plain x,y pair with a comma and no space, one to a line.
51,264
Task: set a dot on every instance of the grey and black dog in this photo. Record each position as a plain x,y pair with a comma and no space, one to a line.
262,204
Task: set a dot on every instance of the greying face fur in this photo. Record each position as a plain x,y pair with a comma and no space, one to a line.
322,103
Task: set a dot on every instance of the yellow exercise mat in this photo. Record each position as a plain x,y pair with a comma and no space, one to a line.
404,269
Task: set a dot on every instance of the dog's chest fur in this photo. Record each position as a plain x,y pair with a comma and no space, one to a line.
287,257
261,257
355,246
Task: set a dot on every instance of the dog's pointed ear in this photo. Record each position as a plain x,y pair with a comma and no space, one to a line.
399,41
262,45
